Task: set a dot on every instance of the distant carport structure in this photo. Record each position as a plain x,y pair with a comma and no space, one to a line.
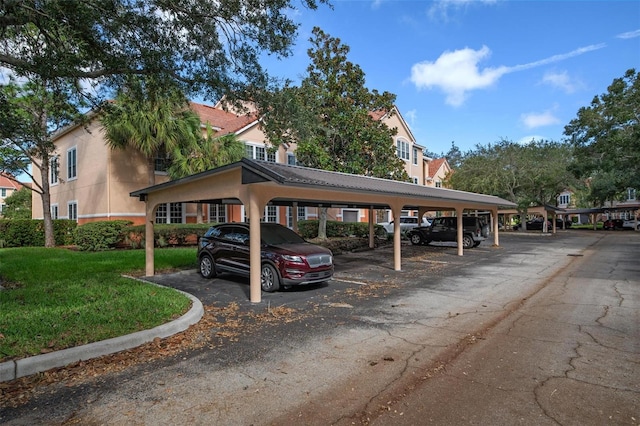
256,184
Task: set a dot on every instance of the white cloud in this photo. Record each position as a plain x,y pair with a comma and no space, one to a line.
530,138
440,9
457,73
533,120
560,80
411,116
629,34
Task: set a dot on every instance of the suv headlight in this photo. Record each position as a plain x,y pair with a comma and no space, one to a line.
294,259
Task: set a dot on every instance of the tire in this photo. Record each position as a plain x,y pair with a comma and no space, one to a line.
467,241
207,266
269,279
416,238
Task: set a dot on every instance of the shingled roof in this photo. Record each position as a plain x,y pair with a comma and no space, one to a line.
255,171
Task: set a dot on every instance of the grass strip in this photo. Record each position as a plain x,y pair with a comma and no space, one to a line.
58,298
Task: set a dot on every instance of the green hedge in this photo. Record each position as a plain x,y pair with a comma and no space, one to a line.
102,235
106,235
166,235
30,232
308,229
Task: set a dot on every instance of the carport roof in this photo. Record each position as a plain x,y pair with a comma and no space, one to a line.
255,171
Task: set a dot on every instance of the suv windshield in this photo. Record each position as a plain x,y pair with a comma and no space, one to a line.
275,235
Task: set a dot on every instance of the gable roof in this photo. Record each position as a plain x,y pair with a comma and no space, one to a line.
254,171
434,166
222,121
381,114
5,182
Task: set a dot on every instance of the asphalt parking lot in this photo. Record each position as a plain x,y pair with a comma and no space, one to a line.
352,270
363,340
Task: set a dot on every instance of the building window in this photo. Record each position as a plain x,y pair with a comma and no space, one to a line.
302,215
564,199
169,213
217,213
631,194
161,161
438,184
53,170
72,163
2,207
72,209
270,214
259,152
415,156
415,179
291,159
403,149
3,192
54,211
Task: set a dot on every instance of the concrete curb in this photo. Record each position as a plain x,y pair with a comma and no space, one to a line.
15,369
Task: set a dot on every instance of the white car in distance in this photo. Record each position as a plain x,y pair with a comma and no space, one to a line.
406,223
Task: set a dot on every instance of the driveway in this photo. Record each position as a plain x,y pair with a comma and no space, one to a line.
347,352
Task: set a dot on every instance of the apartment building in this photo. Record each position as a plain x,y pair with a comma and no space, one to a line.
7,188
91,182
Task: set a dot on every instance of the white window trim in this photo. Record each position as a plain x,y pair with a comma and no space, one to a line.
54,165
73,148
69,204
255,145
57,208
403,153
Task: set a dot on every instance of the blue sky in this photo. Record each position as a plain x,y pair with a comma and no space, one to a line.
474,72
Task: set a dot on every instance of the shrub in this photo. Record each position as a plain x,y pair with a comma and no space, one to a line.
308,229
104,235
30,232
166,234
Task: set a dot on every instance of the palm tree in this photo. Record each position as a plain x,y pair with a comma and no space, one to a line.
210,152
152,118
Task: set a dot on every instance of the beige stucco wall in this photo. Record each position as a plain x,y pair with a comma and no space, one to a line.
413,170
105,177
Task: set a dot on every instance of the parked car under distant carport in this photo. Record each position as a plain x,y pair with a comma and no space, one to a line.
612,224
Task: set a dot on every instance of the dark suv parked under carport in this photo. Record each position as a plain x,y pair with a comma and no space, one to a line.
286,258
475,230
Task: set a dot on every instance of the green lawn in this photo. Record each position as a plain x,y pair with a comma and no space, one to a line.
58,298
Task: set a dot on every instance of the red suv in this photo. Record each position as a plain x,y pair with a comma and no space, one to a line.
286,258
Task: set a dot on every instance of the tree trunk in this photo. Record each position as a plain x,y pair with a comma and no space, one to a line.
49,238
322,223
199,218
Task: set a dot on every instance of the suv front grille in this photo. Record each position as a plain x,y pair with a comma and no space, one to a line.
317,260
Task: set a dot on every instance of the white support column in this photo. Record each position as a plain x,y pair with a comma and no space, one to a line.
255,289
396,210
372,243
148,239
496,226
460,229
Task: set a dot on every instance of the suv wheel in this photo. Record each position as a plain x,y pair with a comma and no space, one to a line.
207,266
467,241
416,238
269,279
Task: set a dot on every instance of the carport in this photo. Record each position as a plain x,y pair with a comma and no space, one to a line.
256,184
